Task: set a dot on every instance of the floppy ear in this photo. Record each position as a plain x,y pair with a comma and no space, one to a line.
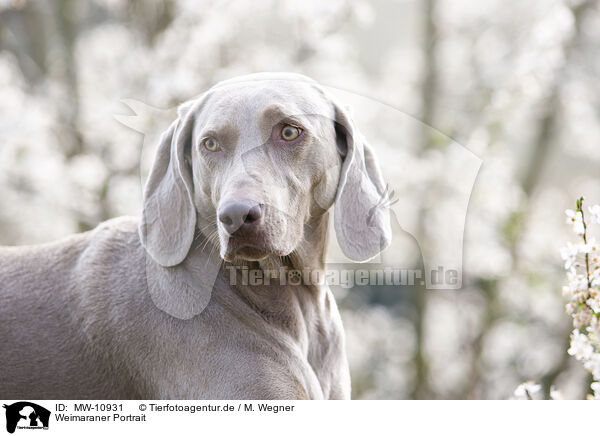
169,216
361,216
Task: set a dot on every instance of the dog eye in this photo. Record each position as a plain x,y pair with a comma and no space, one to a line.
210,144
290,132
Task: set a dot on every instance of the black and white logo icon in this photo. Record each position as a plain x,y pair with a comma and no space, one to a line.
26,415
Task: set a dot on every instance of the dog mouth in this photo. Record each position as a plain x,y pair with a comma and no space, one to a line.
253,241
246,248
248,252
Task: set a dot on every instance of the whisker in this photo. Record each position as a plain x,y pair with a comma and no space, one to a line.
209,239
214,246
208,225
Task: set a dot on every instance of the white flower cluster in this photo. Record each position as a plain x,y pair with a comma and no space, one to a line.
582,262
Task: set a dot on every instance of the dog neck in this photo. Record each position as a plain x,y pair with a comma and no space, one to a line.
282,289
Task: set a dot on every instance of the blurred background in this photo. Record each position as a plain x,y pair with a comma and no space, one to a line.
514,83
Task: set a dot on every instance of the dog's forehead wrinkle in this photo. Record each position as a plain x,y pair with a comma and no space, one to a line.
277,112
256,97
213,123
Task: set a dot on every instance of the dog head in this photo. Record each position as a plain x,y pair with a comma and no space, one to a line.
250,163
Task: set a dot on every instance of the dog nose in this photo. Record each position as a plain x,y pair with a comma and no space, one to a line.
238,215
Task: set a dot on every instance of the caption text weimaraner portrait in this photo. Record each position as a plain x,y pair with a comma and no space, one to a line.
247,175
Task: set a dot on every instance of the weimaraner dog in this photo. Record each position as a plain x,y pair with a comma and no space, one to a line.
243,180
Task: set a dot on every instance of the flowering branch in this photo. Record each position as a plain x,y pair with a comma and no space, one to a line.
579,205
583,291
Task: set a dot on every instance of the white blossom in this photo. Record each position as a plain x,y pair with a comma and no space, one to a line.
580,348
569,255
594,304
577,282
575,219
526,391
555,394
582,317
593,365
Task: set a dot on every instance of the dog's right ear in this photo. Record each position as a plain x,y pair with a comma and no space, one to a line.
169,215
180,275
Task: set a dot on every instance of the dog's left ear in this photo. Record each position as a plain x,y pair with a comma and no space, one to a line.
362,215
